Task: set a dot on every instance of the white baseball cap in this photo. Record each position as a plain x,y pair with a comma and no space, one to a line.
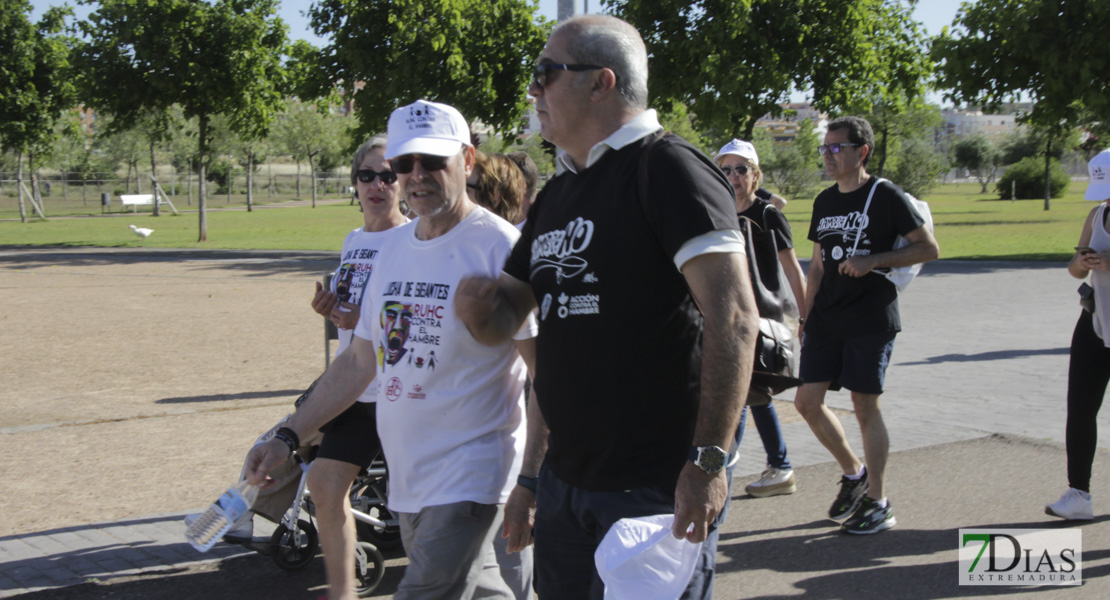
739,148
1099,169
425,127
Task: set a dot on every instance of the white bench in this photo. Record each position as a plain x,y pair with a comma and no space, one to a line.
134,200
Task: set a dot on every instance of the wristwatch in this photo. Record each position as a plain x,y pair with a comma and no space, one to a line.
710,459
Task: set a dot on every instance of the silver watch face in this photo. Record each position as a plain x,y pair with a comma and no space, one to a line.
711,459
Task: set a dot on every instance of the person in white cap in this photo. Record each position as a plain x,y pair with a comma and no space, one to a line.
739,161
453,434
647,316
1089,364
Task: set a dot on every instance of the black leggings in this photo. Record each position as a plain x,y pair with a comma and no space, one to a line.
1088,374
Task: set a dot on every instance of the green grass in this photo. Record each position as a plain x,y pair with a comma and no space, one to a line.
974,226
293,228
969,225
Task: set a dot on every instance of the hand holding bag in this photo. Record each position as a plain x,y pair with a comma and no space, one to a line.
899,276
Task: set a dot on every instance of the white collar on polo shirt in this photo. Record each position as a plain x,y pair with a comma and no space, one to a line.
641,126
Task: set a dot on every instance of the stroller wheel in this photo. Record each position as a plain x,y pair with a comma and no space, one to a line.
293,552
369,568
371,500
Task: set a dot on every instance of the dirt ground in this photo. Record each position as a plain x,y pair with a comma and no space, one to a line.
134,381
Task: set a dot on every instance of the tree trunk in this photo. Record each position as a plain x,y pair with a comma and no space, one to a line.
1047,164
19,187
882,154
153,178
270,168
202,148
250,181
298,179
312,173
35,183
127,188
189,184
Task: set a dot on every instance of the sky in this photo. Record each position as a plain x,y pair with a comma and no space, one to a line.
932,14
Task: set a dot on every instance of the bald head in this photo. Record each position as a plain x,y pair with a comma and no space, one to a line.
610,42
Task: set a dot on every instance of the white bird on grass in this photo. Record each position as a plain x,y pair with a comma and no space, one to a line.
142,232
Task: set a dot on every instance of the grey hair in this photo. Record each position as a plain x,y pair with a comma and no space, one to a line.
610,42
378,141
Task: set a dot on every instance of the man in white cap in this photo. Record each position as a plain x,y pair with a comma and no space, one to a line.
453,434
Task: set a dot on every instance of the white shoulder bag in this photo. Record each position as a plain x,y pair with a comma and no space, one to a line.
899,276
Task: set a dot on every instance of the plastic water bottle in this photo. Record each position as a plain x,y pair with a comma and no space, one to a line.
231,509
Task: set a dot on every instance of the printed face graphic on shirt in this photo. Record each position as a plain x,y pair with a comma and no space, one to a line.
343,282
396,318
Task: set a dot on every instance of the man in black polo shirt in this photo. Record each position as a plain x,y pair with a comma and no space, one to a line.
647,320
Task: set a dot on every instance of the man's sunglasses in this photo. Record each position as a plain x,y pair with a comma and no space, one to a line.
368,176
405,164
834,148
738,169
539,72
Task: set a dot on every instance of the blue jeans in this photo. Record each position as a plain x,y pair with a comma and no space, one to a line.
571,522
767,424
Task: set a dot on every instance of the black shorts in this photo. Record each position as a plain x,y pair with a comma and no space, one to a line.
858,362
352,437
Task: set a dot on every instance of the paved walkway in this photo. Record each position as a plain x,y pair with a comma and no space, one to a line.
984,352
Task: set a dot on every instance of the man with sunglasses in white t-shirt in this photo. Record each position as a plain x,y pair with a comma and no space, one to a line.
450,410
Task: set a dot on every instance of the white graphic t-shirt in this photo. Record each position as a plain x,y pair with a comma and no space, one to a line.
356,262
450,410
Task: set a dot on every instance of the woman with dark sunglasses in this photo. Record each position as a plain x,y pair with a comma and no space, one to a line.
350,441
739,162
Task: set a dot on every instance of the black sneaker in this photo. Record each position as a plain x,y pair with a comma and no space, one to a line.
851,492
870,518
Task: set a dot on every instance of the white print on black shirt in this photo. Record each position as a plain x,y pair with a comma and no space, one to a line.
557,250
847,227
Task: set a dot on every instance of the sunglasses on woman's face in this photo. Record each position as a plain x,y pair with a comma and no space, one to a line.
739,170
405,164
368,176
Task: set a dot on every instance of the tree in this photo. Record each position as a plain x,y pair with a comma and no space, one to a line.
999,50
475,55
917,165
793,168
980,156
733,61
37,88
211,58
309,131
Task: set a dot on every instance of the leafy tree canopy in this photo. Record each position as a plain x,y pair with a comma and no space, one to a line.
1052,50
733,61
475,55
35,71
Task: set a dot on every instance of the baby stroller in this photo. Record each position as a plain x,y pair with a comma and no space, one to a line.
293,544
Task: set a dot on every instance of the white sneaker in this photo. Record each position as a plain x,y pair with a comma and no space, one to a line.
773,482
1073,505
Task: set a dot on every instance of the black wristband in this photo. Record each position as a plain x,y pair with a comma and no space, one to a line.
289,437
528,483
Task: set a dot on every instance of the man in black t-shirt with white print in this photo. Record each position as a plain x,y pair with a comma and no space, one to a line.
852,311
647,319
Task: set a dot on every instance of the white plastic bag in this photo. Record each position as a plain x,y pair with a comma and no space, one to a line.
639,559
